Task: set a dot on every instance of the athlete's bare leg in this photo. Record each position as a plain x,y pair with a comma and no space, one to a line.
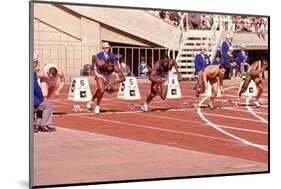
153,92
100,91
214,85
244,87
95,95
259,85
163,92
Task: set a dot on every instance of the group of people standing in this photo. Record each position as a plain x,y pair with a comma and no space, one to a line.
235,65
228,66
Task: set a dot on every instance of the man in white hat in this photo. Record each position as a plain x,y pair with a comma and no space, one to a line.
225,46
201,61
106,54
42,124
242,59
36,62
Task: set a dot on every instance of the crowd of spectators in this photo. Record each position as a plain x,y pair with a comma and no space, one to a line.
230,23
244,23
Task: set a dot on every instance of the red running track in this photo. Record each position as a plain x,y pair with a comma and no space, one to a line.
170,123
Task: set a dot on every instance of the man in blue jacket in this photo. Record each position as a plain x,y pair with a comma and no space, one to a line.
225,46
242,59
201,61
106,54
217,60
46,107
231,65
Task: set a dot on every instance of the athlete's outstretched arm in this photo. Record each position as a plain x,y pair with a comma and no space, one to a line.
94,64
221,82
255,71
205,79
153,74
120,74
62,81
177,69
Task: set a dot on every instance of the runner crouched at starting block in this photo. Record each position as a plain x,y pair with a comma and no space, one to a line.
213,74
159,78
104,73
49,76
254,73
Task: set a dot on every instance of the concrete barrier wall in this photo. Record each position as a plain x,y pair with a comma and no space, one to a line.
135,22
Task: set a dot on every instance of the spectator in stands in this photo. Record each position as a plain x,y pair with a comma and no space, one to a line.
217,60
194,21
144,68
167,16
175,18
261,29
207,21
39,103
201,61
225,46
242,59
162,14
125,69
231,65
106,54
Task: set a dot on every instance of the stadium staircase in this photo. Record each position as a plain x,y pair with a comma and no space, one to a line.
190,46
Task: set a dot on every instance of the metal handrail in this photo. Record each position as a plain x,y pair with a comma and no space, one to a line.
180,29
214,30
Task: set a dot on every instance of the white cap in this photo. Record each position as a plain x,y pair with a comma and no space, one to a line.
231,48
105,45
35,57
203,47
228,36
243,46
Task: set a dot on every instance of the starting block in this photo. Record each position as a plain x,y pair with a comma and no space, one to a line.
174,91
79,90
251,90
189,105
129,89
135,106
76,108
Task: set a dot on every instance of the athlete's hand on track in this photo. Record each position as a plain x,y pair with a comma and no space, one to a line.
57,93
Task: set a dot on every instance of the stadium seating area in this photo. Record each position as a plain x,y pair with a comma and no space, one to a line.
205,21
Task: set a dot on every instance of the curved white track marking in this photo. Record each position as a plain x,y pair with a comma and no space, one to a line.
252,112
225,132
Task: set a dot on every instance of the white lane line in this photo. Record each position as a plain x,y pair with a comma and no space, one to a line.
165,117
241,110
253,113
119,112
198,122
232,117
229,95
225,132
158,129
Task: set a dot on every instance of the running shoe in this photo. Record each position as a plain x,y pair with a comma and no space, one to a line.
97,110
257,104
212,107
145,108
90,106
